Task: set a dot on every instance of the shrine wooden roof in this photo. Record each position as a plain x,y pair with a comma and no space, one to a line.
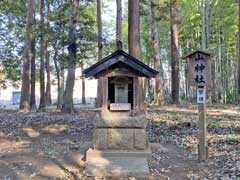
117,58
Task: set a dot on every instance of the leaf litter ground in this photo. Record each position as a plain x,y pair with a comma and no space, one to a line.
52,145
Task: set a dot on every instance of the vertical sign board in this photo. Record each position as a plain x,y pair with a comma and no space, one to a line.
199,68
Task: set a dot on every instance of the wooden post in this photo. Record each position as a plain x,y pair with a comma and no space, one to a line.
202,146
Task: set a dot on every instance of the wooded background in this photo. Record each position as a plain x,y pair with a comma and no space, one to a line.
43,37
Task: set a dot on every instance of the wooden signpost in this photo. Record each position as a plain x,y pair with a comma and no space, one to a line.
199,68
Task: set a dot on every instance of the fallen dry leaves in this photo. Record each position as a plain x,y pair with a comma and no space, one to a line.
180,126
30,142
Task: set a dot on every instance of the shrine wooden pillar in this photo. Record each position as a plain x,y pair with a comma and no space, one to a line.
135,94
138,104
105,92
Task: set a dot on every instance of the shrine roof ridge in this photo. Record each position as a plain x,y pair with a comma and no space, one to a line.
130,61
197,51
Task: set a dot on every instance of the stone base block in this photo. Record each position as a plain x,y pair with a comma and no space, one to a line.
117,164
120,139
109,119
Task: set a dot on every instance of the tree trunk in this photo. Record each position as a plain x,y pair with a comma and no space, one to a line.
119,24
203,24
24,101
213,75
72,49
33,105
100,46
207,22
62,77
158,98
186,79
238,51
48,85
220,58
42,105
134,47
174,52
186,50
134,28
58,77
47,66
83,87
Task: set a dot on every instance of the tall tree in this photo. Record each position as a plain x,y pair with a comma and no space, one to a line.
62,78
158,98
100,47
202,9
119,24
206,13
58,76
134,44
72,50
134,28
174,51
24,101
42,105
33,105
47,63
83,86
48,84
59,56
238,51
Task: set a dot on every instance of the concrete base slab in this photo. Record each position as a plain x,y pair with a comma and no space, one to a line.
92,153
118,167
110,163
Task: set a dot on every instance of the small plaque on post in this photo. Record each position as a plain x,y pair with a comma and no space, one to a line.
120,106
201,94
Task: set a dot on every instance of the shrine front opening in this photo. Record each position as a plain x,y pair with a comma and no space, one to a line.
120,92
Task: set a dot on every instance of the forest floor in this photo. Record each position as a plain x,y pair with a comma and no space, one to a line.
51,145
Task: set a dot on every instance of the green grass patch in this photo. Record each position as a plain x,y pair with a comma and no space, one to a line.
18,137
232,141
215,124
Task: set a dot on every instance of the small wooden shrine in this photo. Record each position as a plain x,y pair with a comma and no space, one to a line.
120,141
119,72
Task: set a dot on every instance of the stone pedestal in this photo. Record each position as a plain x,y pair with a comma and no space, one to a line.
120,146
120,139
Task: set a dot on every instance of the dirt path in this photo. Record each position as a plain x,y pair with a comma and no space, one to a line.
167,162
